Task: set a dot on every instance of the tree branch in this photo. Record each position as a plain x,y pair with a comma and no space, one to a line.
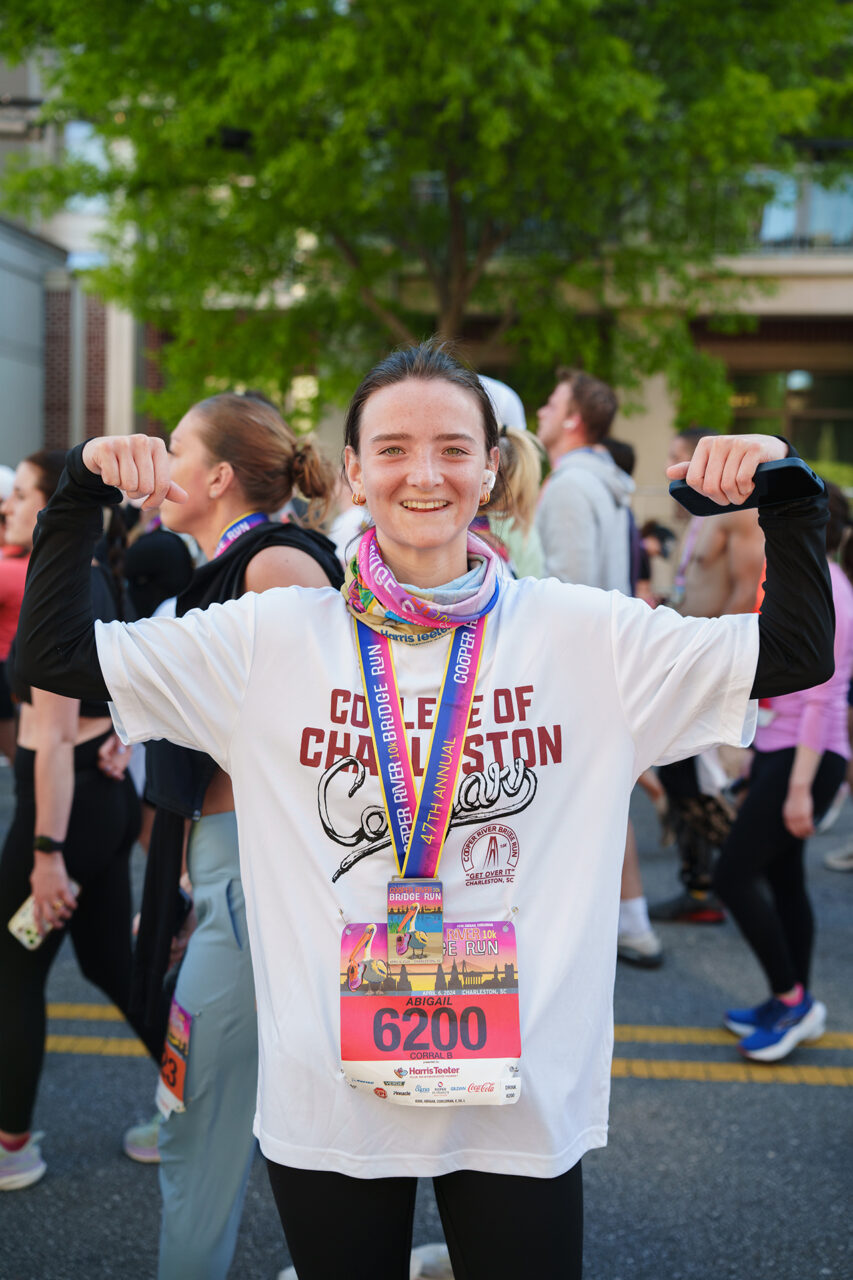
453,308
436,279
389,318
491,344
490,241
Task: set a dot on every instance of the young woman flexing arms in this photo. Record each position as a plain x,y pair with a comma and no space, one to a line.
520,709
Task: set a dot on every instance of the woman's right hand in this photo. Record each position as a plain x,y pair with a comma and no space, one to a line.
55,897
113,757
139,465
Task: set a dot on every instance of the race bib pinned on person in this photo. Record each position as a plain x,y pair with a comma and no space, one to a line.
427,1035
173,1064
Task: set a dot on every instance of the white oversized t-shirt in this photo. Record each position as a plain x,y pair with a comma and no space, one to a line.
579,690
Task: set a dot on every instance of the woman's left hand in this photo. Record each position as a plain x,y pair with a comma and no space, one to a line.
722,467
798,812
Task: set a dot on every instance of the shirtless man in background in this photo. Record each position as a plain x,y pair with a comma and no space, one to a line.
719,571
721,559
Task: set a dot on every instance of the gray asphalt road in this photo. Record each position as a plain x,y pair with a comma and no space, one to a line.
703,1178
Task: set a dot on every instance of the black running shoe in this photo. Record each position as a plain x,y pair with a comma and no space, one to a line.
689,907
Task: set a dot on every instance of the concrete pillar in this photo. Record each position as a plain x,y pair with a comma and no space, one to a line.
120,371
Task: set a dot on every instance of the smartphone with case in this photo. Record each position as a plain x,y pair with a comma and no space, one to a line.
23,923
782,481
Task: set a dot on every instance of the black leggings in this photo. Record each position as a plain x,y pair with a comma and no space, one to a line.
761,874
497,1226
103,824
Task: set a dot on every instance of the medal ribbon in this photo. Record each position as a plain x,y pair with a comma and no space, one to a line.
241,525
418,822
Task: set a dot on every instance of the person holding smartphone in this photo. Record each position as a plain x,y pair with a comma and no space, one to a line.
73,827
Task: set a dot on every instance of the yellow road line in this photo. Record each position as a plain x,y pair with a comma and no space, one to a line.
106,1046
712,1035
624,1033
623,1068
85,1012
728,1072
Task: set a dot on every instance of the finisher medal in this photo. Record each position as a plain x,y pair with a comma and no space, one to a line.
429,1007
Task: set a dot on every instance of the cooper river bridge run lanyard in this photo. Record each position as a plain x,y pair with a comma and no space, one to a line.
418,822
241,525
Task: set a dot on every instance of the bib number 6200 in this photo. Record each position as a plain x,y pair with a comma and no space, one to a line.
444,1028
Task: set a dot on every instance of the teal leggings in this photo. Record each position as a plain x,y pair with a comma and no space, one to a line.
206,1151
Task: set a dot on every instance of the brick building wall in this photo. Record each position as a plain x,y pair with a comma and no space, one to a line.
58,373
57,369
154,340
96,368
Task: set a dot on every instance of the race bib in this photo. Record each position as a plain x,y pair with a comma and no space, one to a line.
431,1034
173,1064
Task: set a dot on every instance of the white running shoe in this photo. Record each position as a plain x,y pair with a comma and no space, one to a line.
140,1142
641,949
19,1169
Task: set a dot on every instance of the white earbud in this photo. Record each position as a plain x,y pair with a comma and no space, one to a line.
489,479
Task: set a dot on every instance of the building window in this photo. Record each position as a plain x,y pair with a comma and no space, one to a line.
803,214
812,410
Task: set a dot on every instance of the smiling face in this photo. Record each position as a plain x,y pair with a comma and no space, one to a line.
420,463
23,505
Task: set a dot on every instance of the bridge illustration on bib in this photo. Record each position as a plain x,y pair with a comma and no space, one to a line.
461,976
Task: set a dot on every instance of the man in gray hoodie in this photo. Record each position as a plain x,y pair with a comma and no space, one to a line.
583,512
583,522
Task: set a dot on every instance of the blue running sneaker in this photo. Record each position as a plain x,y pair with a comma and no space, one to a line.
782,1031
742,1022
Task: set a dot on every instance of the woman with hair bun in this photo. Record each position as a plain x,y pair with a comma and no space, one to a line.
238,462
432,710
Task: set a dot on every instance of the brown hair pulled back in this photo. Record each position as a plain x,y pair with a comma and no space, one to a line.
269,461
428,361
49,463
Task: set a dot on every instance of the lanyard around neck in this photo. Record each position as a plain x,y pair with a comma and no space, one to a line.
419,822
235,530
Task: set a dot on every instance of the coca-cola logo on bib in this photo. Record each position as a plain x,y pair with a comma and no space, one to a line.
490,855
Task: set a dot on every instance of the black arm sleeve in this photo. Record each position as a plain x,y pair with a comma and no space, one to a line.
56,629
796,627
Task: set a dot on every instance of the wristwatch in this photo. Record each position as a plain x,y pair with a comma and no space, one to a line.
47,844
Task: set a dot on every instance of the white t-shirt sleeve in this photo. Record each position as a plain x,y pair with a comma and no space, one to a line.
183,679
684,683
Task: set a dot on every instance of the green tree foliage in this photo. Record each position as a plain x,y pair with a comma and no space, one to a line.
296,187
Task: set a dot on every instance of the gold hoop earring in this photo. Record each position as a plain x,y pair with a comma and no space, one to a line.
485,498
359,501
